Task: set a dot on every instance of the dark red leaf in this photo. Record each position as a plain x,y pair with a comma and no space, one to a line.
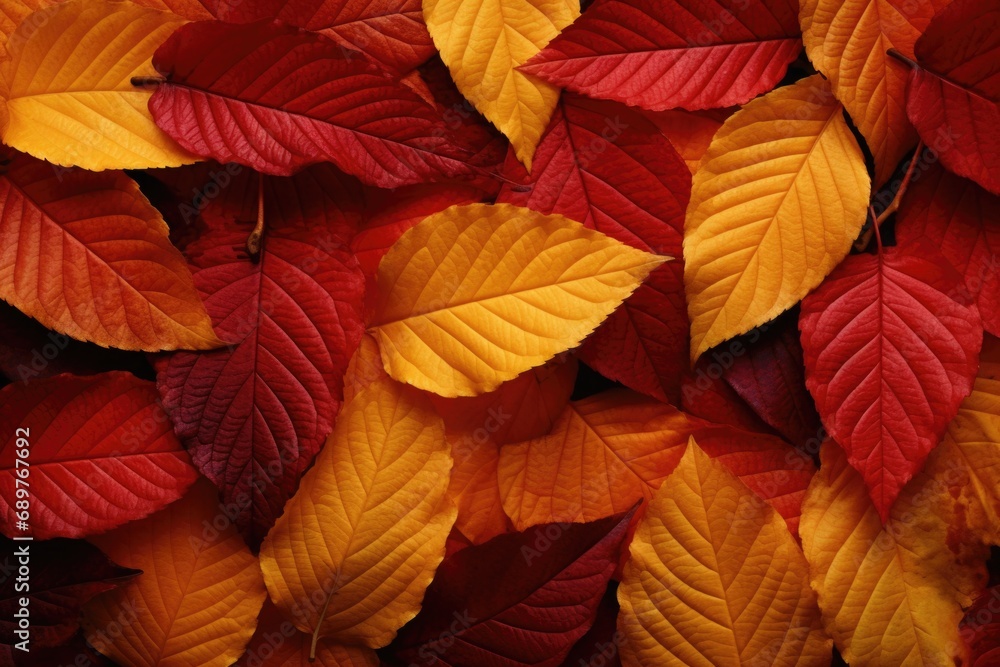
276,98
960,218
889,354
953,98
663,54
101,453
705,394
62,575
767,372
610,168
519,599
389,31
253,415
981,629
600,647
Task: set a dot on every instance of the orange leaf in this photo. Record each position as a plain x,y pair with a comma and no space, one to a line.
196,602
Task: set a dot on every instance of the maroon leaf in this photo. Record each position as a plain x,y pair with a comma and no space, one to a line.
62,575
663,54
981,629
960,218
705,394
254,415
889,356
610,168
519,599
276,98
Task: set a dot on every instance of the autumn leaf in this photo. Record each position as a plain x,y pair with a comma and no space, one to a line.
474,489
658,54
775,206
889,354
521,598
56,593
226,96
610,450
687,594
68,91
198,597
100,453
128,286
254,414
483,43
981,628
366,530
539,284
690,132
608,167
953,98
889,595
847,41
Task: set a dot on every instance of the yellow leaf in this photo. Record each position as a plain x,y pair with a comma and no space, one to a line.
715,578
361,538
68,87
477,294
847,41
778,200
483,42
198,598
892,596
969,455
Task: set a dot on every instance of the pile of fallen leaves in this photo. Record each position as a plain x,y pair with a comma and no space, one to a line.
490,333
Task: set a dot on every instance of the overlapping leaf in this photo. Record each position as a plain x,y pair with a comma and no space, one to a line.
848,40
254,414
85,254
779,199
953,97
483,42
55,593
366,530
889,354
68,90
715,579
608,167
521,598
100,453
475,295
196,602
663,54
229,97
957,217
610,450
889,595
981,629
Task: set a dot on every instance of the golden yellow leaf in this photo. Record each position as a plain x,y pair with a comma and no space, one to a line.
197,600
360,540
483,41
715,578
477,294
68,87
892,596
847,41
778,200
969,456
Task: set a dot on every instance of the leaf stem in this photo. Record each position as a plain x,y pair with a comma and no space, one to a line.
147,81
878,234
897,198
256,238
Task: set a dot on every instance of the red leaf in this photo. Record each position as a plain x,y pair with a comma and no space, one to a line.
520,409
64,574
254,415
600,646
981,629
767,372
705,394
519,599
101,454
889,356
389,31
611,169
960,218
953,98
663,54
276,98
